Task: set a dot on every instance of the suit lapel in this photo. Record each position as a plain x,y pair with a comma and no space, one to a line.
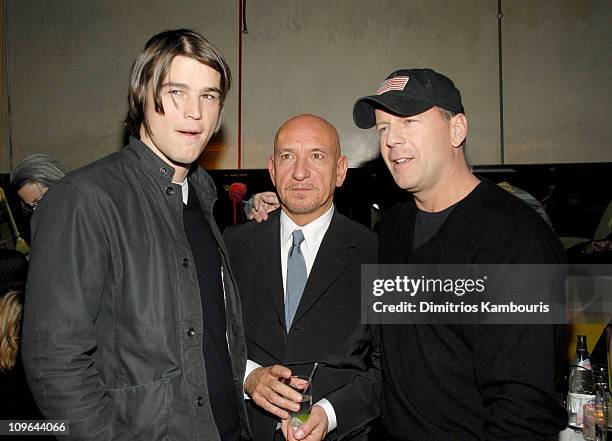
337,251
265,244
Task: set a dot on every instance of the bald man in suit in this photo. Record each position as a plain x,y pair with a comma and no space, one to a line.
306,168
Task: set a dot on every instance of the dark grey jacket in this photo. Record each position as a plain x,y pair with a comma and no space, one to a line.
112,304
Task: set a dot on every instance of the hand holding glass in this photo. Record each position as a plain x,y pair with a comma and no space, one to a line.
302,384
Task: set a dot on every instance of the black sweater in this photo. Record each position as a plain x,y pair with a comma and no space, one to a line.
214,341
471,382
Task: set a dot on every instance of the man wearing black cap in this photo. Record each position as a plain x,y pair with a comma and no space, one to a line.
464,382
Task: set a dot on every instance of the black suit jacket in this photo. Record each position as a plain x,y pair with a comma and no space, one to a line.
327,325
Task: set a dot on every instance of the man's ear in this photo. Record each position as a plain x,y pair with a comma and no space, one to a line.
271,170
341,168
459,129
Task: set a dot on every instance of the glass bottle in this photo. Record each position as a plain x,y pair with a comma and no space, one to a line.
580,387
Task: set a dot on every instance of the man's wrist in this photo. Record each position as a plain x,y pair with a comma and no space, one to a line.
250,367
329,412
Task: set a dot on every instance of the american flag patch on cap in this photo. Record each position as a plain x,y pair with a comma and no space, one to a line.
395,83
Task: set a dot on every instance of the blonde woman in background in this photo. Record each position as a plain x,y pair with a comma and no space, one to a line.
11,309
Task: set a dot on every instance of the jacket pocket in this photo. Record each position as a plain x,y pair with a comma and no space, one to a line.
145,408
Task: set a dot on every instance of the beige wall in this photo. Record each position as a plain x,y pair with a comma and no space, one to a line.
319,56
5,151
558,81
68,63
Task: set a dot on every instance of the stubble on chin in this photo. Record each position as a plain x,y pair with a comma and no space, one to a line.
300,209
300,204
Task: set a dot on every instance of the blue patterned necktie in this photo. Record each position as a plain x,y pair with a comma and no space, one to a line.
296,277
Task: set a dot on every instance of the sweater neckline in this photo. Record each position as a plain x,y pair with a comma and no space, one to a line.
457,209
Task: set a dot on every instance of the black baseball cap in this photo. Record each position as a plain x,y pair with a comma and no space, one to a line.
408,92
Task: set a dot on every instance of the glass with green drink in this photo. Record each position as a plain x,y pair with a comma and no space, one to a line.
302,384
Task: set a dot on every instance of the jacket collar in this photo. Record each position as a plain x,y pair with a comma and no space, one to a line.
266,245
148,160
153,164
338,250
